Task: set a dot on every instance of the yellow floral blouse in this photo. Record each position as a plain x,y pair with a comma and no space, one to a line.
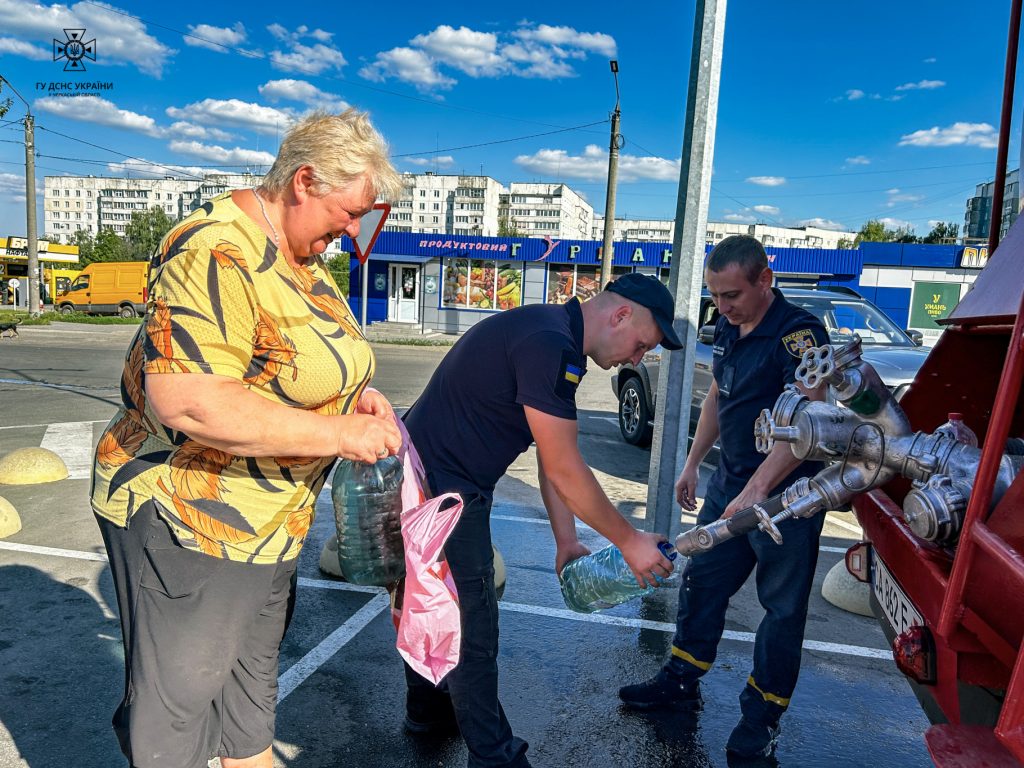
223,300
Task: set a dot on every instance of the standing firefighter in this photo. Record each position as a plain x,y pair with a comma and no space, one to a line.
758,342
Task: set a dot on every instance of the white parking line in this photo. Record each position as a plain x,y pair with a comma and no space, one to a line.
27,426
72,441
294,676
289,680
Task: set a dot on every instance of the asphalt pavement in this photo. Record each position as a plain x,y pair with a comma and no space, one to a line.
342,689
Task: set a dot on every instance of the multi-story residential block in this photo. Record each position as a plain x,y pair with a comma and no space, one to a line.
89,203
547,210
663,230
635,230
978,214
446,204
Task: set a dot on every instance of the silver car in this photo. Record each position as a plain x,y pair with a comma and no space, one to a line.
894,353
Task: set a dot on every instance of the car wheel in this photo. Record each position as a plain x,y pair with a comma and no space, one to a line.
634,413
67,309
128,311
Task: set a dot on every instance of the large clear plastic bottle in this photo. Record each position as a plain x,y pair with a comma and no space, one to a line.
956,429
367,510
603,579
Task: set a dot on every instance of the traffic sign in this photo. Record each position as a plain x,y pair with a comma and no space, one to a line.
369,227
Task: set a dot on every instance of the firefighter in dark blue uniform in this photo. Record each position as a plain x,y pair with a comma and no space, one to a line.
758,342
508,382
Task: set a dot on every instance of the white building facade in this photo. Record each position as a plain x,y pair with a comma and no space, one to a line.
547,210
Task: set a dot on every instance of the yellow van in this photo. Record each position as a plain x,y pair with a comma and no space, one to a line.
108,288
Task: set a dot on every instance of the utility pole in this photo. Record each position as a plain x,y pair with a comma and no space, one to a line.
607,249
675,383
32,278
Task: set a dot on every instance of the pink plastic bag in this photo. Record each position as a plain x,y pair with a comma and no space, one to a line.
428,622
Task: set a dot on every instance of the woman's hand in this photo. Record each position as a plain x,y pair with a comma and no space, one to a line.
367,438
374,403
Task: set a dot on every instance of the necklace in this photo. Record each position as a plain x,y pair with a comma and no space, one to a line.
259,202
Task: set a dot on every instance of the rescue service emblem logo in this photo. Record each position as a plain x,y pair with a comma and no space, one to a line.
74,48
798,342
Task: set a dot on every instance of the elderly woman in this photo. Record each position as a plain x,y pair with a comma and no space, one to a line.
246,382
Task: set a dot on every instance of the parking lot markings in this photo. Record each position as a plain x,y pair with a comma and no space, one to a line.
72,441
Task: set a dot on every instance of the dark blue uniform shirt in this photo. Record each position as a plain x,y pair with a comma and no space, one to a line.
469,424
751,373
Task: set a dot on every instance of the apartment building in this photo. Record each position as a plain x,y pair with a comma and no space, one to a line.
978,213
89,203
446,204
547,210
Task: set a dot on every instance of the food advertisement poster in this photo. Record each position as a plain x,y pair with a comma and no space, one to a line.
482,284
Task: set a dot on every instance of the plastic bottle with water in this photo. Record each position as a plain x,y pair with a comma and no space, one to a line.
603,579
956,429
367,510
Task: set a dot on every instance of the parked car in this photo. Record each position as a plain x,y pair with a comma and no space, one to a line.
108,288
896,355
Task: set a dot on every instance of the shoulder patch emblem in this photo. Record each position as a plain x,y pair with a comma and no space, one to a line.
798,342
570,371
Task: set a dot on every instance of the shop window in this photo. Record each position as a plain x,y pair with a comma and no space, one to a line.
482,284
583,282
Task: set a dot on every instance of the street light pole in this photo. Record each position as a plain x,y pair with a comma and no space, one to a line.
607,249
32,278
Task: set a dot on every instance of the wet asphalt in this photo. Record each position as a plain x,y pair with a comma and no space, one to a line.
342,686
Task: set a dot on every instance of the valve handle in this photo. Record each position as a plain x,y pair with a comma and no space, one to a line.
763,428
766,524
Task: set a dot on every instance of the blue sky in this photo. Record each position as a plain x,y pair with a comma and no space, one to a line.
829,113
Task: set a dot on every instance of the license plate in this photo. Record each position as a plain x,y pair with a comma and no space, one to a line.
897,607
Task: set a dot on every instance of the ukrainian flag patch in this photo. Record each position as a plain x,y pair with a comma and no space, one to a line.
573,374
570,372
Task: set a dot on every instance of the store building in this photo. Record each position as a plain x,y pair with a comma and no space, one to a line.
447,284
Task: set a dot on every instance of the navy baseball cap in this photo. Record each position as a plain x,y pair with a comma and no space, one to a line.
648,291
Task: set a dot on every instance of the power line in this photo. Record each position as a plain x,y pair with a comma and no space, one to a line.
501,141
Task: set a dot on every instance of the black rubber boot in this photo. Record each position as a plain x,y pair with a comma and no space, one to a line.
663,691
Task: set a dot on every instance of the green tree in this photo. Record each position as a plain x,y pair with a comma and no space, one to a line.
110,247
844,243
86,246
905,235
339,269
873,231
943,232
5,104
144,233
507,228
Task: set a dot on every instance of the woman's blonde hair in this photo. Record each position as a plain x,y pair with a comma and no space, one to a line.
340,148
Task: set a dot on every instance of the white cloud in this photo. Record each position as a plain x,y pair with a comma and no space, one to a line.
302,91
217,39
531,51
21,48
592,165
474,53
930,60
12,189
854,93
442,161
121,39
308,59
93,109
895,196
742,218
148,169
217,154
858,160
254,117
921,85
767,181
821,223
186,130
567,37
769,210
933,223
892,223
408,65
966,134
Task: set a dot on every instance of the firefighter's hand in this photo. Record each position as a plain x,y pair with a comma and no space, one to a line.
686,489
566,553
645,559
748,497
